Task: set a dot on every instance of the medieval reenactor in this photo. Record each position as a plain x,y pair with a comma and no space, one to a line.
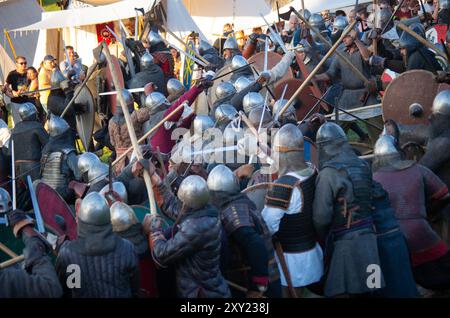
230,50
149,73
29,138
127,226
175,89
342,215
160,107
238,64
117,127
38,278
224,114
392,248
59,98
355,93
59,158
435,158
108,264
195,244
412,189
249,241
417,56
209,53
161,54
288,213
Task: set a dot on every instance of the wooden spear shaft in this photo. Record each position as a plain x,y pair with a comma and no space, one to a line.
131,132
151,131
5,249
316,69
421,39
181,41
12,261
341,56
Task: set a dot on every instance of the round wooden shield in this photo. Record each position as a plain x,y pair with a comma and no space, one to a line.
416,86
110,85
56,214
305,101
272,60
85,121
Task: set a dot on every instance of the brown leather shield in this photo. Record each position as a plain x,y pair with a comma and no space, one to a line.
85,121
56,214
416,86
110,85
272,60
305,101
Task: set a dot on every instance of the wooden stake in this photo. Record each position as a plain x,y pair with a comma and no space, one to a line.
131,132
317,68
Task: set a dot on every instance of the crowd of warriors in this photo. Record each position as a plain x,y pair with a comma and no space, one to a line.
341,226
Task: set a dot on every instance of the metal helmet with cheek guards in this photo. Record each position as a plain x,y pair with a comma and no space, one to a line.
193,192
225,90
174,87
57,126
221,178
122,217
251,101
94,210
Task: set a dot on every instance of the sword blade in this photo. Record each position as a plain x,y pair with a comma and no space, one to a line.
37,211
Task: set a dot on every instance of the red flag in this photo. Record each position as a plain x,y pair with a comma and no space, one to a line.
103,33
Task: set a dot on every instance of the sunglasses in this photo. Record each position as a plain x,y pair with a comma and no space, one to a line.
22,63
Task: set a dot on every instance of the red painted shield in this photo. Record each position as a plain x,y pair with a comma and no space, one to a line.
57,216
110,85
306,101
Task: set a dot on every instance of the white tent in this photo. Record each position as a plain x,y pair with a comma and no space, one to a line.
78,26
211,15
16,14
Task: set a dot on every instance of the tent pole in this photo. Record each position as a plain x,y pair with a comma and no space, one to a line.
10,43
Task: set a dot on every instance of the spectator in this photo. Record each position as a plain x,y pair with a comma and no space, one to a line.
71,67
16,84
45,74
177,62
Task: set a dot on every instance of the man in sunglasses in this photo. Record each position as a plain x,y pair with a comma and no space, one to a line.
16,84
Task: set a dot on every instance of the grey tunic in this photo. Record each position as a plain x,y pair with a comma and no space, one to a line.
353,86
352,252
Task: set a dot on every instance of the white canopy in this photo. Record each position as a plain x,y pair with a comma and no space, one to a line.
89,16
